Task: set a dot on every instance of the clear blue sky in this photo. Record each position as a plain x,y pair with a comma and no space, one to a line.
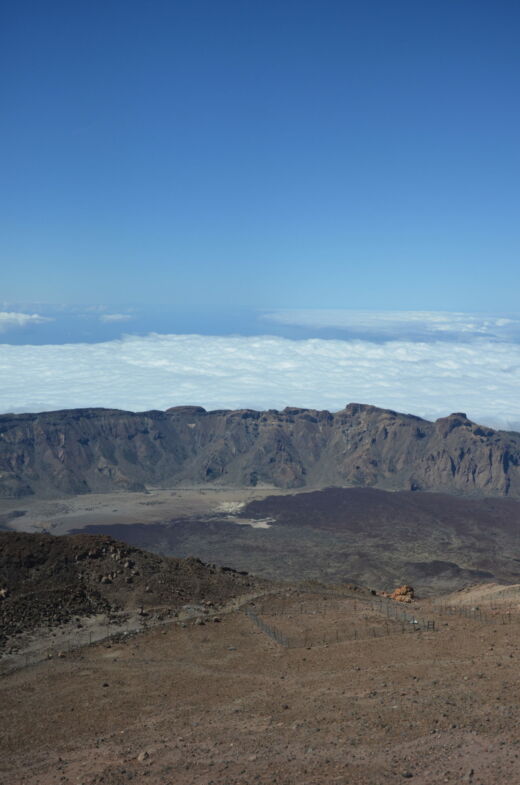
261,153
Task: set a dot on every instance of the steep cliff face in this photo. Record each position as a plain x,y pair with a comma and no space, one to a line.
84,450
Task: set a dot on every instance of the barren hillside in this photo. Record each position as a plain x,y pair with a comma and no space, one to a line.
46,581
224,704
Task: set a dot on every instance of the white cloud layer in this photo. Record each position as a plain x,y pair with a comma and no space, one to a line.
428,324
13,319
158,371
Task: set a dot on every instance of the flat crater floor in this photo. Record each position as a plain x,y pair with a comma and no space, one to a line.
381,539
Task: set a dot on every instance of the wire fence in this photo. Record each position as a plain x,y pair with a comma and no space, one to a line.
72,644
382,605
272,632
393,619
490,615
112,628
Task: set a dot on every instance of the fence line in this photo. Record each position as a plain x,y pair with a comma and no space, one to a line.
389,608
272,632
398,620
491,616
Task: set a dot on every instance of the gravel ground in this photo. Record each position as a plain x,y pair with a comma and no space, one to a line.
222,704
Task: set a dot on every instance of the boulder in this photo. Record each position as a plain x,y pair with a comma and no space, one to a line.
403,593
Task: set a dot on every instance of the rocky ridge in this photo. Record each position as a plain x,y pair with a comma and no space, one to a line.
84,450
46,580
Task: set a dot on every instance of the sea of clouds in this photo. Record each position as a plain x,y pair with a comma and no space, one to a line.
409,325
479,375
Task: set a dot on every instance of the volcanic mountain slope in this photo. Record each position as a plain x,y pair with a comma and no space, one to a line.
223,704
78,451
46,580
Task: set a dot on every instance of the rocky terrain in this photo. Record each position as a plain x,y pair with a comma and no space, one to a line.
98,450
312,684
436,542
319,682
223,704
47,581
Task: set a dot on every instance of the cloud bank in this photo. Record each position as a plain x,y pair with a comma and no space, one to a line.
13,319
415,325
158,371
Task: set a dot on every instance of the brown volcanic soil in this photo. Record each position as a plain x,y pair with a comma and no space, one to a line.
222,704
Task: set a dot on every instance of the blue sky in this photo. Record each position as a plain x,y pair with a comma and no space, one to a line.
260,203
261,154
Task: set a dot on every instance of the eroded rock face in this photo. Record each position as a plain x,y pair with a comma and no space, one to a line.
82,450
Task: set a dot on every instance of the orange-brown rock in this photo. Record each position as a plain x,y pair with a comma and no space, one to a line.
402,594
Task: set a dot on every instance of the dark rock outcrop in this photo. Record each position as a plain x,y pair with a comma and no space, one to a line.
83,450
46,580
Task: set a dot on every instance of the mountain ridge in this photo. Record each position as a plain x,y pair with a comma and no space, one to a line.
95,449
